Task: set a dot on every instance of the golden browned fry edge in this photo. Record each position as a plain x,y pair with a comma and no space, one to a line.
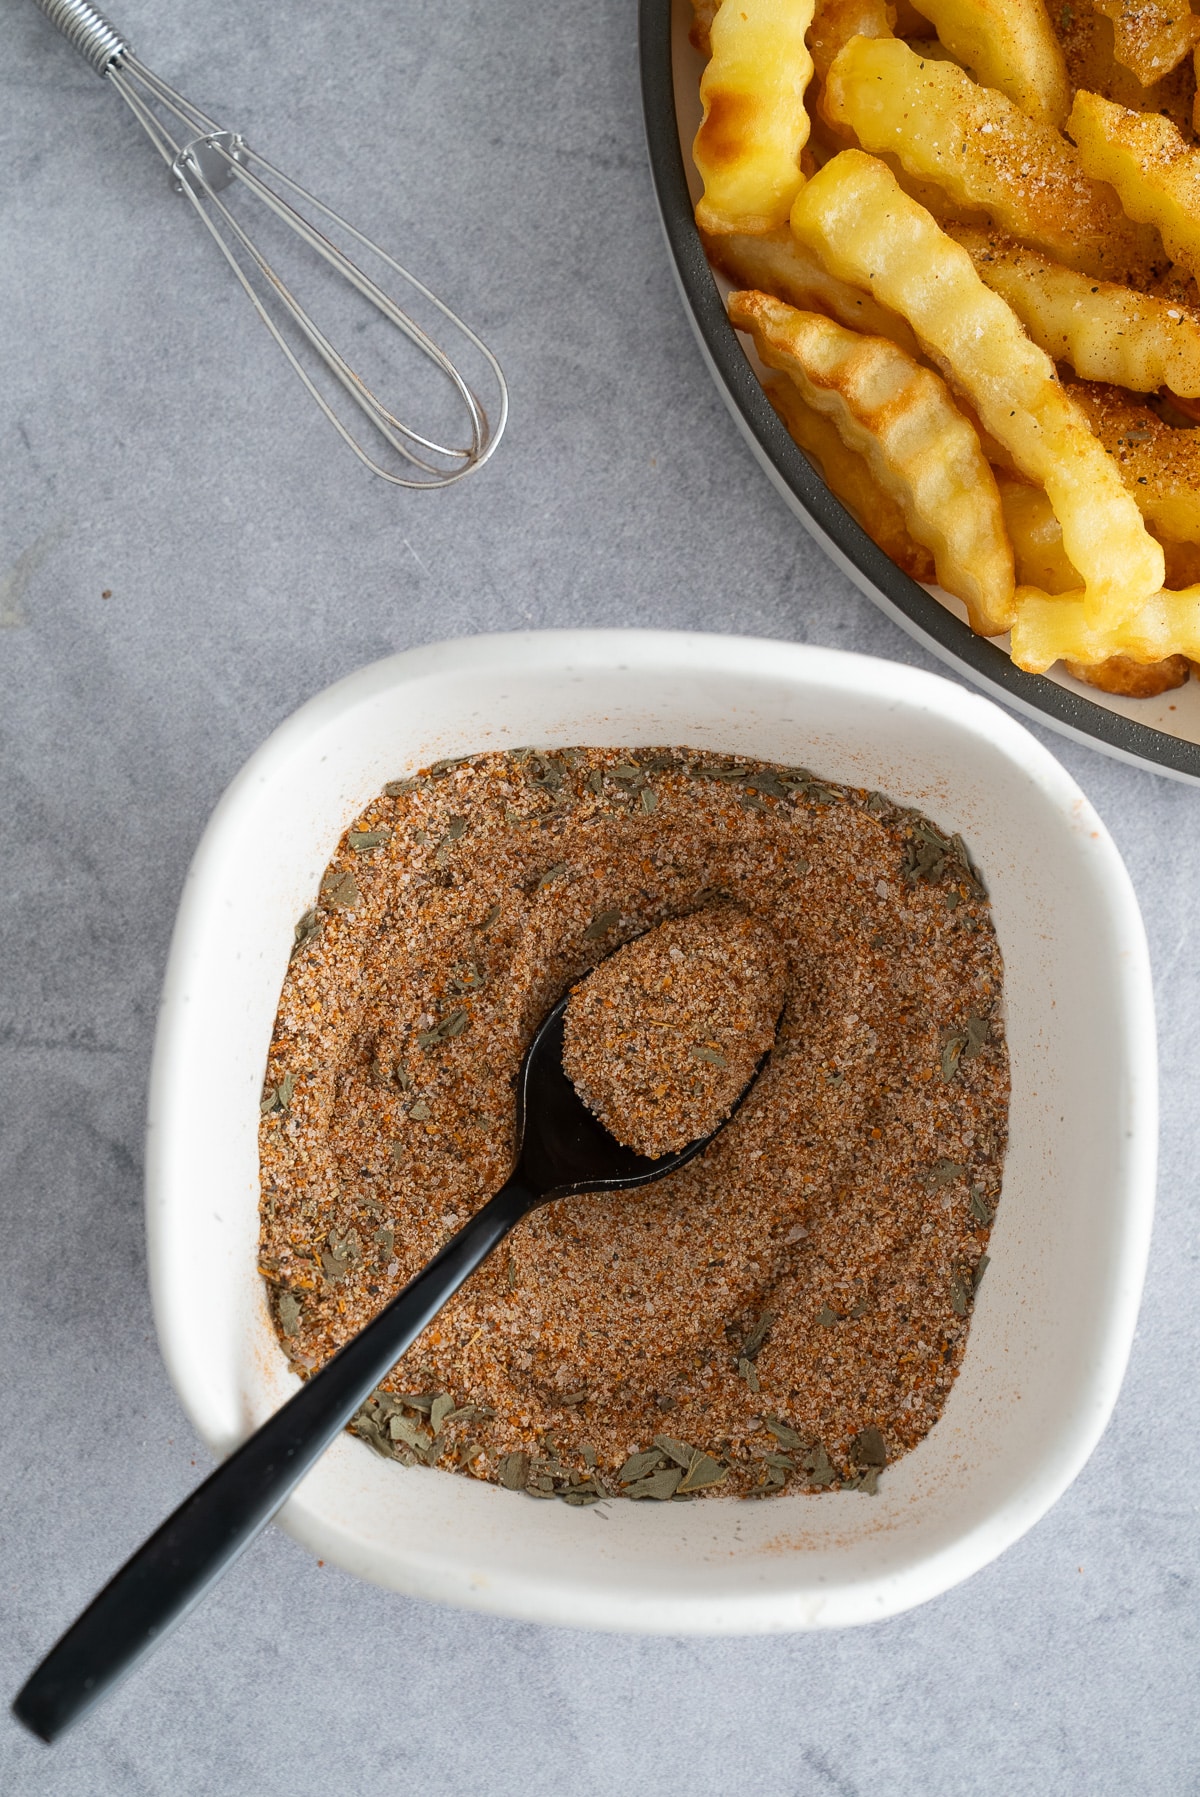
1132,679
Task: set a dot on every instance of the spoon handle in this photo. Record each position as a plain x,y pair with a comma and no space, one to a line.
173,1569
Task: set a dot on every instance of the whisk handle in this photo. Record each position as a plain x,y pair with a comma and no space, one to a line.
85,26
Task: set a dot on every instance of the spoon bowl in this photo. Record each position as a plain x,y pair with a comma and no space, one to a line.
564,1147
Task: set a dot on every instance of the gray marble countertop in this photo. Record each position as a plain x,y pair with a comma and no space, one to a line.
185,556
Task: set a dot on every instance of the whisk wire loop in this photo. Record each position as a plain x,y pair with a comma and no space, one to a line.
205,160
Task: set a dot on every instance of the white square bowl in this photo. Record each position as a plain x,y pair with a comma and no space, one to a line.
1055,1315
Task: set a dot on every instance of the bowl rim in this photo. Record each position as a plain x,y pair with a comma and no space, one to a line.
927,1574
904,600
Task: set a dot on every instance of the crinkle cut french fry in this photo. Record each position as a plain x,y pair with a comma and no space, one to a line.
1150,39
1132,679
776,263
1056,628
835,22
1107,332
1160,466
1146,159
1036,537
755,125
854,216
1011,46
1087,41
900,417
846,474
983,151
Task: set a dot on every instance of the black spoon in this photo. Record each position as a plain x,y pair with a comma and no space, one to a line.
564,1149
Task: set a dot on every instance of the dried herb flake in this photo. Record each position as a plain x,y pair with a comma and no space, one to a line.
702,1471
450,1026
659,1486
340,889
678,1451
977,1205
783,1433
758,1335
514,1470
638,1465
869,1448
310,925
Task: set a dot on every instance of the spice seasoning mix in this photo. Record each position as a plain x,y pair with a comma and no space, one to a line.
790,1309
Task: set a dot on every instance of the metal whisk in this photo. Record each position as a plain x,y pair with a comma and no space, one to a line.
204,160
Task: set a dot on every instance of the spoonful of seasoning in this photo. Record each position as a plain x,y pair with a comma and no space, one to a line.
663,1041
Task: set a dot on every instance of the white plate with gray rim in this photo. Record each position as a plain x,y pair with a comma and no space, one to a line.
1161,734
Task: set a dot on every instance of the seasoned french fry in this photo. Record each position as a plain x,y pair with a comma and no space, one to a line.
1036,538
1132,679
1107,332
1159,466
854,216
1087,42
1150,39
754,126
1010,46
983,151
1146,159
1049,629
845,473
777,264
902,421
